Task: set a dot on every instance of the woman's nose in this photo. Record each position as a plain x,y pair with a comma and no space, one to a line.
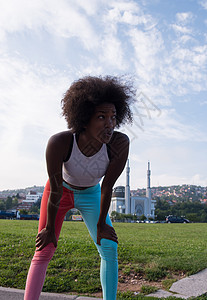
109,123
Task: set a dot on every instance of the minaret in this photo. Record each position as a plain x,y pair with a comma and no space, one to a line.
148,191
127,191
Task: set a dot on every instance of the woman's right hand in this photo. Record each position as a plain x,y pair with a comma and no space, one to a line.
106,231
44,238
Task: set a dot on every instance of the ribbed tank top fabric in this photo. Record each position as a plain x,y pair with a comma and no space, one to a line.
84,171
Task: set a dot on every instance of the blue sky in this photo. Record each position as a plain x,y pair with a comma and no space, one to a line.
161,44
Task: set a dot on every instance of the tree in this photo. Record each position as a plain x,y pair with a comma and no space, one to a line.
203,217
34,210
23,212
14,201
143,218
115,216
161,214
128,217
8,202
2,205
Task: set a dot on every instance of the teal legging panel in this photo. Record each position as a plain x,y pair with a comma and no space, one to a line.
88,203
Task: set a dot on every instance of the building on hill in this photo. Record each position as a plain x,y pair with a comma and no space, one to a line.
25,206
123,202
32,197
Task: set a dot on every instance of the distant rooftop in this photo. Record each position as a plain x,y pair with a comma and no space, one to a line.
119,192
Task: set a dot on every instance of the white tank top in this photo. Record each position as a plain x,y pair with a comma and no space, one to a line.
84,171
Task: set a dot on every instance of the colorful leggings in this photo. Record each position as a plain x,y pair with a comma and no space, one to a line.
87,201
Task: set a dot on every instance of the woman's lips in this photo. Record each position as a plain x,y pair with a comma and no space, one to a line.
107,135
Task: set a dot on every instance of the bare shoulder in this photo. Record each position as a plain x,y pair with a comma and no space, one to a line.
119,144
119,150
59,143
119,136
61,137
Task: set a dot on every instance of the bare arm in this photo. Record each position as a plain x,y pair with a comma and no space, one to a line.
55,153
119,153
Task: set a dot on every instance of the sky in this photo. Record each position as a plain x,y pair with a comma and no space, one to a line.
160,44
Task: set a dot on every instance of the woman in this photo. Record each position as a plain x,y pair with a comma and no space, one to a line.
77,159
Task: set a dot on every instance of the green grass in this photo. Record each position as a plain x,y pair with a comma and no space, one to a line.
174,247
154,251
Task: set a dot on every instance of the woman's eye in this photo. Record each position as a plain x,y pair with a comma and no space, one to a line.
103,117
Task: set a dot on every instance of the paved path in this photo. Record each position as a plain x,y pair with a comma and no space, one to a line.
192,286
15,294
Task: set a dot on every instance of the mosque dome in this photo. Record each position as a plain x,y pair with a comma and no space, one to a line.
119,192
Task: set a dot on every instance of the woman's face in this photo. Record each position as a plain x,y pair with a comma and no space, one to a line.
102,123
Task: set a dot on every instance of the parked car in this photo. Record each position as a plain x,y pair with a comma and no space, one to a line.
175,219
29,217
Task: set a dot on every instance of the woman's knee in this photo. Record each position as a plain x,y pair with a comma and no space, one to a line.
108,250
45,255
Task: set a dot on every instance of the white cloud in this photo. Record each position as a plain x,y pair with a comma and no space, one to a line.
182,20
171,163
129,13
26,14
58,18
118,8
67,22
203,102
198,179
203,3
119,13
164,179
90,6
112,53
30,113
200,55
185,38
184,17
29,92
168,126
135,158
147,46
181,29
168,180
184,69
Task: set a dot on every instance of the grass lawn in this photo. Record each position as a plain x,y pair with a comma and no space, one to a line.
155,252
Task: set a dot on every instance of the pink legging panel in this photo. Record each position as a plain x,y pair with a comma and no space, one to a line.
38,267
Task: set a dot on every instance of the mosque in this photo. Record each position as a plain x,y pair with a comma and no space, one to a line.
123,202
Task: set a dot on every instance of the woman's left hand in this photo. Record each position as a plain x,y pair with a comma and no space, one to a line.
45,237
106,231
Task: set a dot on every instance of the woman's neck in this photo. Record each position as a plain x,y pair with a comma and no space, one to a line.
87,145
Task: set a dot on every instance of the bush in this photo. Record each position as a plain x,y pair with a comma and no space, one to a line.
154,273
148,289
